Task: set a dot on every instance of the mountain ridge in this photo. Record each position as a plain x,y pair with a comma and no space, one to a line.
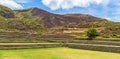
53,20
35,20
50,20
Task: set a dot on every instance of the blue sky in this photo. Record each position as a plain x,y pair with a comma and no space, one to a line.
109,9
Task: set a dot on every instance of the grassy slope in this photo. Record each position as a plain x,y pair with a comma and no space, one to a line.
56,53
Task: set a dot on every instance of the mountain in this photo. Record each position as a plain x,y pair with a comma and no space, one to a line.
53,20
37,20
50,20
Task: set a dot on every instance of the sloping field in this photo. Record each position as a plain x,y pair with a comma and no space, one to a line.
56,53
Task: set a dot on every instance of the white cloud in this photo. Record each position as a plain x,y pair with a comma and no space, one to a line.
11,4
67,4
22,1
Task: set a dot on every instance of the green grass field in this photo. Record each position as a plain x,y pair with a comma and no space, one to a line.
56,53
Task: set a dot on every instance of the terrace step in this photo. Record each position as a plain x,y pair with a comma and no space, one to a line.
8,46
97,47
114,43
106,48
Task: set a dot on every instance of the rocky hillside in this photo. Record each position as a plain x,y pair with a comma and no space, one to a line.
86,17
35,20
50,20
6,12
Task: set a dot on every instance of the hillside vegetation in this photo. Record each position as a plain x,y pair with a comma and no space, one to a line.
6,12
38,21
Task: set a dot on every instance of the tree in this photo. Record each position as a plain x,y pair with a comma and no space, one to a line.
92,33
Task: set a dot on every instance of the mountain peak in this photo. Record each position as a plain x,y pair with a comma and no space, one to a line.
36,8
39,12
50,20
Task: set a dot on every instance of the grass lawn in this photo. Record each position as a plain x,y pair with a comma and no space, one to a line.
56,53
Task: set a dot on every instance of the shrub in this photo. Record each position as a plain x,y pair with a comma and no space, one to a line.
92,33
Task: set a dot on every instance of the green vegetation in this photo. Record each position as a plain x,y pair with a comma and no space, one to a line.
20,21
26,25
30,21
78,35
37,26
92,33
56,53
6,12
3,8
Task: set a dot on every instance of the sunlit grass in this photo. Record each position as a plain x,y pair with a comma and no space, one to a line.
56,53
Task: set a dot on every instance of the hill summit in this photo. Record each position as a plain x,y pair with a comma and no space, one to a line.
49,20
52,20
38,20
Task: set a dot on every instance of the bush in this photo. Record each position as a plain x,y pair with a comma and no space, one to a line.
92,33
